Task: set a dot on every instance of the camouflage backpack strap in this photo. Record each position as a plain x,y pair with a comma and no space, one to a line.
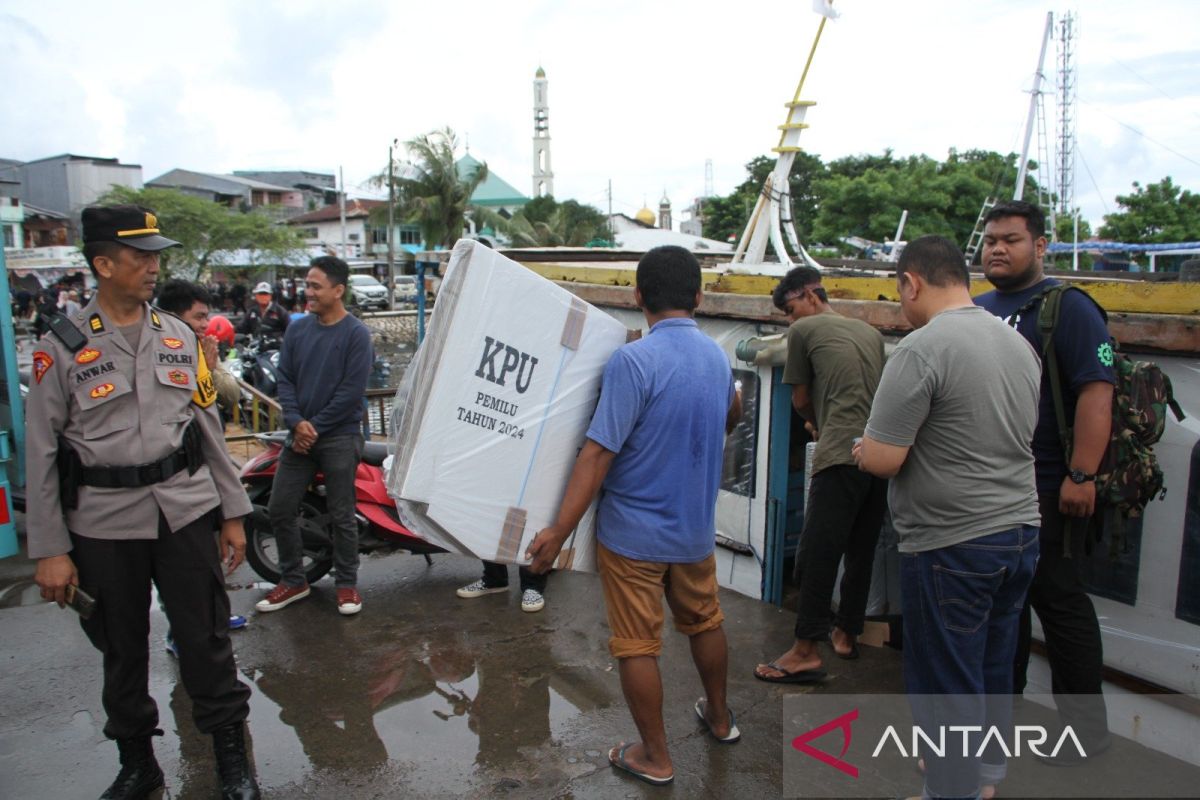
1047,326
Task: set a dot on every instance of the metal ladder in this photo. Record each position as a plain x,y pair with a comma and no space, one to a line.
977,235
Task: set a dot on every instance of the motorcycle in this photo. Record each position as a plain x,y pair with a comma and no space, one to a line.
379,527
257,364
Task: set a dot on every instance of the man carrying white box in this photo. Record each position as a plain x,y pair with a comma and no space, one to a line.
655,447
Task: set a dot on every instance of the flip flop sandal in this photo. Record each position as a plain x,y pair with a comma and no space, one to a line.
799,676
734,734
620,763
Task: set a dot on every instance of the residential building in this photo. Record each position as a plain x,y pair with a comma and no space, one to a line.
237,192
322,229
66,183
319,188
694,224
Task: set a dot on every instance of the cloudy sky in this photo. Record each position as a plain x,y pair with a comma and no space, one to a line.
642,93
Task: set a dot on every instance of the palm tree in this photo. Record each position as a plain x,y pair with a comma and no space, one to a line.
430,192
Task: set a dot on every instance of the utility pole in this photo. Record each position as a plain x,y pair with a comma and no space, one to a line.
612,236
391,231
342,209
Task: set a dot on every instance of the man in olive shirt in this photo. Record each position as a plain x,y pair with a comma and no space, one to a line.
833,366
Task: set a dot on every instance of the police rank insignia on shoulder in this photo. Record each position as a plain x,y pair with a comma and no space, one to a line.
206,391
96,324
41,363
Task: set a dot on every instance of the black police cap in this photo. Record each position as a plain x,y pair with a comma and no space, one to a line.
131,225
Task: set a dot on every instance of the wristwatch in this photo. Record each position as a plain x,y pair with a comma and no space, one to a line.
1079,476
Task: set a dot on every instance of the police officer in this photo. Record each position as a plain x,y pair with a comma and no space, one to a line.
128,479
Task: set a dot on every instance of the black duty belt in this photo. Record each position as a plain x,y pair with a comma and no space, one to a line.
134,477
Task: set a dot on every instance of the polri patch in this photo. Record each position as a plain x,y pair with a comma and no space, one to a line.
174,344
87,355
178,377
101,391
41,363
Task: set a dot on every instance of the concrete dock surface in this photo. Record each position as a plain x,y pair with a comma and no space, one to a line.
427,695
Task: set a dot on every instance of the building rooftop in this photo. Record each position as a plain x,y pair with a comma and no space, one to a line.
494,191
217,184
354,209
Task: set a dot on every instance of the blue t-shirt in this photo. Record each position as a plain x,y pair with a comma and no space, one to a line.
1083,347
663,405
323,371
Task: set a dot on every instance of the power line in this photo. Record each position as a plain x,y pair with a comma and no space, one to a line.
1166,147
1092,178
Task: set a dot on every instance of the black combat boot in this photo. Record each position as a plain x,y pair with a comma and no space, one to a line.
140,774
233,768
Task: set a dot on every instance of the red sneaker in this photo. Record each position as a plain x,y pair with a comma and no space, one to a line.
349,600
282,596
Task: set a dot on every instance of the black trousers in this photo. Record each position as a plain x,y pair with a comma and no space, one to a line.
495,575
185,566
843,518
1072,632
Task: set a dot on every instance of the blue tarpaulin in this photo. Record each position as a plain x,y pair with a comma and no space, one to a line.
1121,247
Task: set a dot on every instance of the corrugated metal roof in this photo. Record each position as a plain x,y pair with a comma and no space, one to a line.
354,209
217,184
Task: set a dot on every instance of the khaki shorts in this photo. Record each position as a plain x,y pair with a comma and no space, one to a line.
633,593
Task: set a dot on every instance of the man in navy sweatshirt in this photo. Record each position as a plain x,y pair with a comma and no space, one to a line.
323,369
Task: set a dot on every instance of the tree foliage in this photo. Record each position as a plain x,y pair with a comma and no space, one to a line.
545,222
208,232
1157,213
865,195
429,191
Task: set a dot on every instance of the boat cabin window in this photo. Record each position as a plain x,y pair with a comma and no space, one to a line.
741,447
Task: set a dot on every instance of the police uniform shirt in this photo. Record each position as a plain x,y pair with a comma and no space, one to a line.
120,407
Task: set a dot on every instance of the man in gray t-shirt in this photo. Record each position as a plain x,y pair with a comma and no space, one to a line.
952,425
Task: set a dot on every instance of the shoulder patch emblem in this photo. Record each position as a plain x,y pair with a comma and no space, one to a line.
103,390
178,377
1105,354
95,323
41,363
174,344
87,355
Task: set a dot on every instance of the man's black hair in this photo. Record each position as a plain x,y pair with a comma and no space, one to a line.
1035,220
335,269
178,296
794,281
93,250
936,259
668,278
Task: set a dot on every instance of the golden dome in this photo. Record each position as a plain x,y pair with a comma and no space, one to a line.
647,216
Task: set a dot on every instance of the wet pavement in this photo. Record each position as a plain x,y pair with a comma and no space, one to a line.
420,695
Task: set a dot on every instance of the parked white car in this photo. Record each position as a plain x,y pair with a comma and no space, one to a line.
366,292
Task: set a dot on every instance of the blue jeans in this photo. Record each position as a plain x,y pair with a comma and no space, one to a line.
337,457
962,606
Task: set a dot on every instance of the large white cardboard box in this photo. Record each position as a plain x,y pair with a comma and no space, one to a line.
494,409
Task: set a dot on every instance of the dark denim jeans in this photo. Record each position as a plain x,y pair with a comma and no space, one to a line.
843,518
962,605
337,457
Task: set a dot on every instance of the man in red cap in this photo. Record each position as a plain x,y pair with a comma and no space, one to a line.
128,480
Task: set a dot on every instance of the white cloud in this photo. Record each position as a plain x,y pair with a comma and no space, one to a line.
640,92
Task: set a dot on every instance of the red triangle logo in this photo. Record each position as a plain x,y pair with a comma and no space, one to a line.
841,723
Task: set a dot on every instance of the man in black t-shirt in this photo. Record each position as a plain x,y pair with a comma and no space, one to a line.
1014,243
